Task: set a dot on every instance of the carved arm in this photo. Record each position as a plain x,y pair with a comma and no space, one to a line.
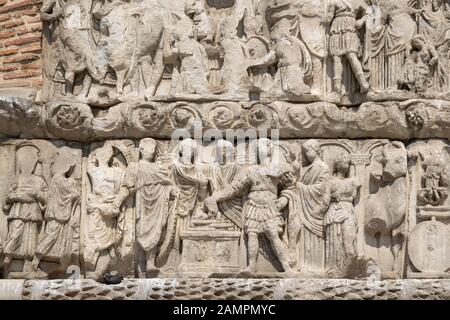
231,191
330,12
49,12
270,59
10,198
127,188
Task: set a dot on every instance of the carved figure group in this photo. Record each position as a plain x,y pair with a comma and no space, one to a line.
43,217
244,49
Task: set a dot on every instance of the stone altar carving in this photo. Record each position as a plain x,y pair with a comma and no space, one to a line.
337,178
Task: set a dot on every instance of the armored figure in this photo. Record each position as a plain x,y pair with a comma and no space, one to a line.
344,41
262,209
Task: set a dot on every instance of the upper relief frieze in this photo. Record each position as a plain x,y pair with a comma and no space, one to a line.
345,52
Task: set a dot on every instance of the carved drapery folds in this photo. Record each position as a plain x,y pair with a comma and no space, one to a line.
345,52
96,181
147,208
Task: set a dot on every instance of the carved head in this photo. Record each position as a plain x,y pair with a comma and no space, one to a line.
147,148
193,8
118,160
27,157
263,149
64,163
433,159
187,151
182,116
417,43
394,161
342,165
69,117
104,156
311,150
416,117
251,25
224,152
277,33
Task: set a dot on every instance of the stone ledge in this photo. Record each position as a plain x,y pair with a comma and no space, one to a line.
411,119
235,289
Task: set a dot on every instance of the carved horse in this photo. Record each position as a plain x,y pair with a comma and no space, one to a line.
133,39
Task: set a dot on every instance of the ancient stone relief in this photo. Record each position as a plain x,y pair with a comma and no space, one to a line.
352,186
292,208
41,233
428,224
345,52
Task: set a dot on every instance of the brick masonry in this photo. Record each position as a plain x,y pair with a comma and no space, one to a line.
20,43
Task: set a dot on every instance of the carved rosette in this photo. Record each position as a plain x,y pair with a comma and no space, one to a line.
184,116
224,116
261,116
69,119
147,118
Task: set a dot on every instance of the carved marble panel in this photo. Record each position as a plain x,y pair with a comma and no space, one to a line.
231,139
292,208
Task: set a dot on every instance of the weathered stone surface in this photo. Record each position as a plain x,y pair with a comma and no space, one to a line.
237,289
294,141
401,120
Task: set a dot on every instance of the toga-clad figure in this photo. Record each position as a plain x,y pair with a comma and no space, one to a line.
312,199
155,207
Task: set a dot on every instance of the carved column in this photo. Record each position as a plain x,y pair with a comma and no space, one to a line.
360,162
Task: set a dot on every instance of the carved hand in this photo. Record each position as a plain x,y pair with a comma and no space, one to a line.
57,13
361,22
116,210
288,179
174,193
433,61
281,203
211,206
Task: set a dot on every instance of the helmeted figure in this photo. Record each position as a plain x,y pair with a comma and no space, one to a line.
344,40
61,218
262,209
24,206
